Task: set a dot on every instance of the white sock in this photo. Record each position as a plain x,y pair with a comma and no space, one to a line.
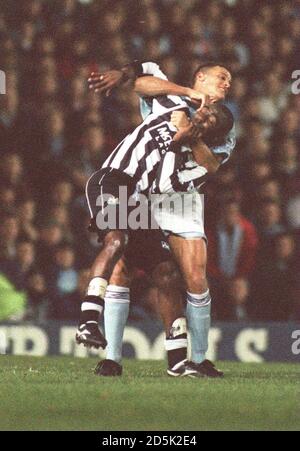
117,300
198,316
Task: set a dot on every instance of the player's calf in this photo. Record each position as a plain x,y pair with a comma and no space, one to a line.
93,303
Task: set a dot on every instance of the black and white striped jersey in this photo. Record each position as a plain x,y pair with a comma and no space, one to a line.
178,172
139,154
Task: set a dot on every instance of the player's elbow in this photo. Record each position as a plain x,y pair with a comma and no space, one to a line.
140,86
214,164
213,167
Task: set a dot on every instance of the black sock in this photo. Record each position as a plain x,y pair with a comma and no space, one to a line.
87,315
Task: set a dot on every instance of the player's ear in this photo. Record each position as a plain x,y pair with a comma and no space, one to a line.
200,76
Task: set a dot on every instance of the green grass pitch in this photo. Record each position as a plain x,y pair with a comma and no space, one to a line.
62,393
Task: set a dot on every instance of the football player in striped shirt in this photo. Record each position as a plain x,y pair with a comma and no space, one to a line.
197,299
160,264
133,162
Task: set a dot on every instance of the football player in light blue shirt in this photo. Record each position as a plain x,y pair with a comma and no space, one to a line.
190,252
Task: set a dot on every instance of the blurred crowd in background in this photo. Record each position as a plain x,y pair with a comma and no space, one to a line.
54,133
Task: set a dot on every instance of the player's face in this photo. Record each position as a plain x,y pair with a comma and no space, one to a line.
215,83
205,118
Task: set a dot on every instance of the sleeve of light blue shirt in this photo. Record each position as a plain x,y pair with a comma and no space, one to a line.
150,69
228,147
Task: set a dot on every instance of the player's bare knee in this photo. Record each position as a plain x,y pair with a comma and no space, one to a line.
115,239
114,244
197,283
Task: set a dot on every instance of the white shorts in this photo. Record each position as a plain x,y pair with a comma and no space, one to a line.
180,214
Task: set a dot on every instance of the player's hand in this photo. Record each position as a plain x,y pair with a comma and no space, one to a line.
104,82
188,134
179,119
199,98
187,130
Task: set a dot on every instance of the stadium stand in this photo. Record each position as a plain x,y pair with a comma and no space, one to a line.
54,133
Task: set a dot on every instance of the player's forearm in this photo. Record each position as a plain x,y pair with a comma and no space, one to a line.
204,156
132,71
149,86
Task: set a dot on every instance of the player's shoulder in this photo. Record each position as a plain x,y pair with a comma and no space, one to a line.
165,103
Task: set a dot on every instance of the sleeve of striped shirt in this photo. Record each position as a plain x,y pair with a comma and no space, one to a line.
150,68
146,104
160,104
171,177
194,175
227,148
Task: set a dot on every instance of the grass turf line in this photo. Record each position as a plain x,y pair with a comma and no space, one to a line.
62,393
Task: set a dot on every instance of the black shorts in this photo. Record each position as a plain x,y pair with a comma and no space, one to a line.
145,248
107,191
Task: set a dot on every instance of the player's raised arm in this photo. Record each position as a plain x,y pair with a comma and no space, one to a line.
149,86
149,81
104,82
153,82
